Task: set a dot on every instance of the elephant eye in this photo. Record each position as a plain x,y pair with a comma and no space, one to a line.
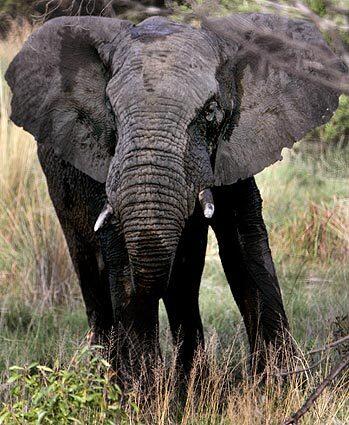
108,104
213,112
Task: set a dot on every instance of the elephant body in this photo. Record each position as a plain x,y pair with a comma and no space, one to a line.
157,125
101,262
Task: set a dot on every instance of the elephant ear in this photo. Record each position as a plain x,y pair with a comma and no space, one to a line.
59,81
285,77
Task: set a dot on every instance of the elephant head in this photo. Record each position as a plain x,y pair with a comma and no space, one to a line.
161,112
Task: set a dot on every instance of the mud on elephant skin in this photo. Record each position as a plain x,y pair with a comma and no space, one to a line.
134,124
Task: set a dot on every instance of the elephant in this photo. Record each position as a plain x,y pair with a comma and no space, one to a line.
148,135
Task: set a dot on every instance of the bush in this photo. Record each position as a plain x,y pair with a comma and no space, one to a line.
82,393
337,130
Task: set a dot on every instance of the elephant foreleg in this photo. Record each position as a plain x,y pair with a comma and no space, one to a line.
88,264
246,258
182,296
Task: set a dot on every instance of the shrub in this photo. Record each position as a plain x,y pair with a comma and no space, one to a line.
337,130
81,393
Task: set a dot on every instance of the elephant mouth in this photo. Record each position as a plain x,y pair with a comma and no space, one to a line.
151,246
205,197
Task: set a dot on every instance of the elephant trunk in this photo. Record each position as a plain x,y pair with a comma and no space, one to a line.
152,204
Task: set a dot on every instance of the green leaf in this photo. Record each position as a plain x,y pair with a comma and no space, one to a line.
45,368
41,416
105,363
16,368
4,416
13,378
78,398
74,420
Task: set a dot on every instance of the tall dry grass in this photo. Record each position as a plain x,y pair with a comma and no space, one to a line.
34,264
221,390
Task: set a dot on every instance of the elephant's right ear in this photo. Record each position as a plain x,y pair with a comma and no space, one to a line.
59,81
284,81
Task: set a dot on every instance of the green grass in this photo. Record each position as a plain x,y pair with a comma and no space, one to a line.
28,335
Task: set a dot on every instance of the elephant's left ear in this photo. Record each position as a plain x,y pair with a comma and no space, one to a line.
59,81
287,83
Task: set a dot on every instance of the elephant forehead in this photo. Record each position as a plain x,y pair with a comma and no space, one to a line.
167,62
181,66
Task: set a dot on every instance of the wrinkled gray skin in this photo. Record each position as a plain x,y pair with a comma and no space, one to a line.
145,117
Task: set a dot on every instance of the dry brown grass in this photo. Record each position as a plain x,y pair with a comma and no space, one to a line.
34,263
221,390
319,231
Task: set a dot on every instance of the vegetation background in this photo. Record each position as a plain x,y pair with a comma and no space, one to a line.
42,321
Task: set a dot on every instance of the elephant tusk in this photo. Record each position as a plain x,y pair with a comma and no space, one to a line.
206,201
106,213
